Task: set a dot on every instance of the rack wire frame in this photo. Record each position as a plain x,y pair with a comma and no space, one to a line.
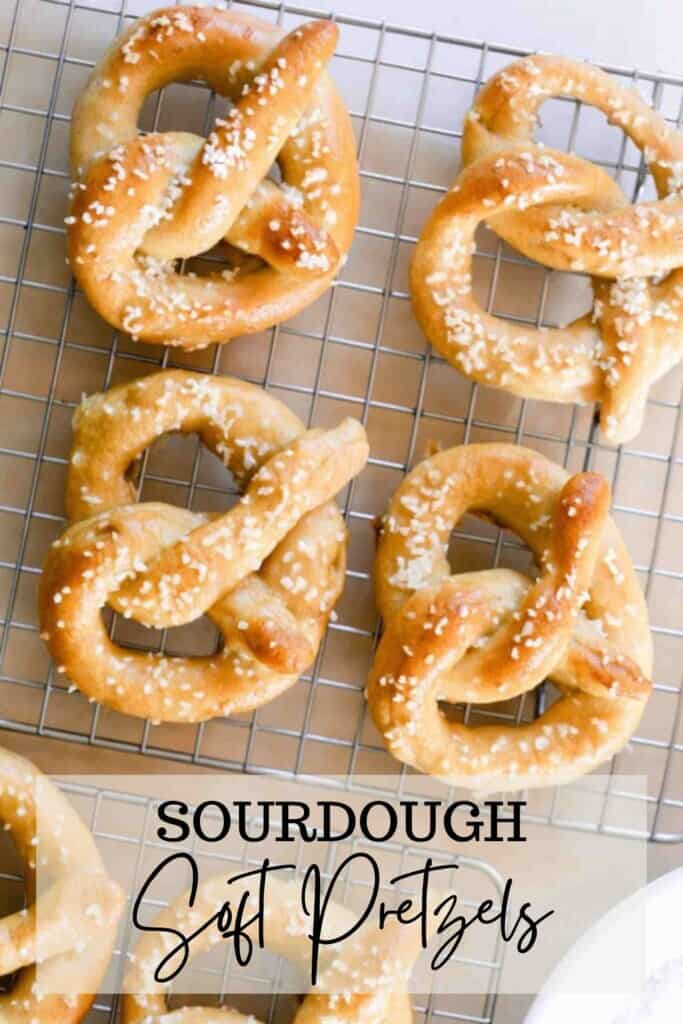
461,65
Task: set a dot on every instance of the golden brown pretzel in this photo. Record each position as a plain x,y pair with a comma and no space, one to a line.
61,944
139,203
268,571
371,969
490,636
569,214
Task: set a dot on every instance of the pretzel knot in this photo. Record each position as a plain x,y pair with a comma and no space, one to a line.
62,942
268,571
490,636
568,214
142,203
363,979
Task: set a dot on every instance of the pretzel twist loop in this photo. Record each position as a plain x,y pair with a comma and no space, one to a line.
363,982
140,204
268,571
568,214
62,942
489,636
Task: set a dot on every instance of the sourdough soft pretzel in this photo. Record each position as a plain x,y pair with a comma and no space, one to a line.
569,214
363,981
140,203
62,942
268,571
490,636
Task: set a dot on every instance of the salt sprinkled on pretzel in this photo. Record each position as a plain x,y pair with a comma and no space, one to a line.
489,636
362,981
568,214
268,571
141,203
61,943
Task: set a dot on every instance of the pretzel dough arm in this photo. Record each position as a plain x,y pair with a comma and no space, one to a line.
22,790
605,236
245,144
113,428
600,670
191,575
177,689
72,911
17,941
624,312
536,362
270,225
281,624
431,633
150,299
507,108
524,651
270,631
642,240
273,227
576,734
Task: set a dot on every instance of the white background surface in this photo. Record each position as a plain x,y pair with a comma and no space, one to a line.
645,33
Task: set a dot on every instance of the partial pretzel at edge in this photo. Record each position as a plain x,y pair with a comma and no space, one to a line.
62,942
568,214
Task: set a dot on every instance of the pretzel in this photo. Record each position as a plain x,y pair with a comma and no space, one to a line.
63,941
568,214
490,636
363,982
141,203
268,571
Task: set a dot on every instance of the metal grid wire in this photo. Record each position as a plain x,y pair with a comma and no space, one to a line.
357,351
124,827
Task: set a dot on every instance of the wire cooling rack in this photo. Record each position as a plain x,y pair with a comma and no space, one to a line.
357,351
